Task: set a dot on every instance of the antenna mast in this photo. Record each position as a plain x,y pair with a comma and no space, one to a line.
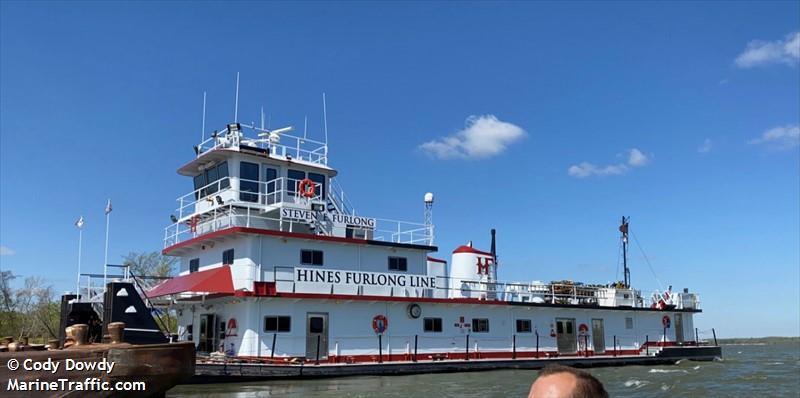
325,120
624,229
203,133
236,106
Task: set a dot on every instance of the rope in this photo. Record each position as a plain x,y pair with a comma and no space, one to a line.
647,260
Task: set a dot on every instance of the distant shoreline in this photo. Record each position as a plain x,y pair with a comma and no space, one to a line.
759,340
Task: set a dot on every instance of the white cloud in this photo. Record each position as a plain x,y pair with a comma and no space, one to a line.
636,158
482,137
706,146
781,137
760,52
6,251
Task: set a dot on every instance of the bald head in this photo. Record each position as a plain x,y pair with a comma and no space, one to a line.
556,381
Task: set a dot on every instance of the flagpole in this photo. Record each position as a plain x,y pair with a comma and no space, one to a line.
105,257
80,244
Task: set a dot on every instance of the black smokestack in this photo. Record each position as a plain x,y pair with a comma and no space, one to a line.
494,246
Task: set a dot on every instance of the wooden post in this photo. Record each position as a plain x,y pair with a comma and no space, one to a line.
514,346
665,335
319,338
647,344
416,338
380,347
274,337
537,345
467,357
715,336
696,338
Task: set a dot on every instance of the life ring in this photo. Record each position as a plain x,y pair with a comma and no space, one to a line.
306,188
583,329
380,324
665,321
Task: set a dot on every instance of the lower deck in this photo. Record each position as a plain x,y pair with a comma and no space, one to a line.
289,329
251,371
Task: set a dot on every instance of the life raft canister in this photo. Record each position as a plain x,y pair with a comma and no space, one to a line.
306,188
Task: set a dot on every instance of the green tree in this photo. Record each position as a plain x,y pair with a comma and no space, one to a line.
149,264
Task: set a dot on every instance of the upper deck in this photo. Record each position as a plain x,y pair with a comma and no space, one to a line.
246,176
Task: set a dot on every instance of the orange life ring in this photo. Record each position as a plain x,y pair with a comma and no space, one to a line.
306,188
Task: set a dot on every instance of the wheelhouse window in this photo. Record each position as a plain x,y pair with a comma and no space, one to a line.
480,325
398,264
248,182
433,325
319,179
311,257
194,265
271,176
211,180
523,325
277,324
294,177
227,257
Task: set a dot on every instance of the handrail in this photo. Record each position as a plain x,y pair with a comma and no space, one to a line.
318,153
244,214
554,293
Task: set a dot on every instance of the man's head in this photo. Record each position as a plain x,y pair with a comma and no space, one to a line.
558,381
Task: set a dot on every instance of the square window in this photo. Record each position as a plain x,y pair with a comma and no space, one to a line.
316,325
480,325
227,257
433,325
398,264
311,257
523,325
194,265
628,323
277,324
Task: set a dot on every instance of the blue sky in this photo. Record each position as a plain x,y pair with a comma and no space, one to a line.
547,121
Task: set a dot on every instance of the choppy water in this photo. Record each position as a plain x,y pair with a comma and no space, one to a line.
745,371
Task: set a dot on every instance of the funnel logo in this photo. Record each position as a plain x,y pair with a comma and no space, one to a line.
483,266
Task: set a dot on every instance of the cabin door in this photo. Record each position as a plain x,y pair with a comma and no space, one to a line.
566,339
679,328
598,336
208,328
316,335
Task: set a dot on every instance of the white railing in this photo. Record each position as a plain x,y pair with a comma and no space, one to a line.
243,214
259,193
340,200
552,293
299,148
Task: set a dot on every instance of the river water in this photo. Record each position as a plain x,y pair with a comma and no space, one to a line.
745,371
